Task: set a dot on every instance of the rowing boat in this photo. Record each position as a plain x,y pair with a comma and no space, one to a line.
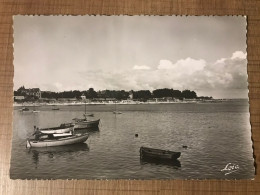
63,128
74,139
86,124
158,154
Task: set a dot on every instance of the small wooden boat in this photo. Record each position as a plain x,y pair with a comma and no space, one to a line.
55,135
158,154
55,109
63,134
34,110
86,124
88,114
25,109
59,149
74,139
117,112
63,128
155,161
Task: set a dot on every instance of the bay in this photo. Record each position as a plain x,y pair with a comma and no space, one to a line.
215,134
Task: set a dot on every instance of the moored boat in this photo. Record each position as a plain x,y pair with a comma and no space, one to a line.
86,124
62,149
90,114
34,110
62,134
54,135
158,154
155,161
74,139
117,112
24,109
63,128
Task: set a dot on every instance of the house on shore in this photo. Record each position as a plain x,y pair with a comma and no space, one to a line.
30,92
18,98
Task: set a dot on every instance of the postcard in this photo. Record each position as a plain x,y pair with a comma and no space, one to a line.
131,97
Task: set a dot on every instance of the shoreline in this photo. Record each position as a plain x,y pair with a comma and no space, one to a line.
29,104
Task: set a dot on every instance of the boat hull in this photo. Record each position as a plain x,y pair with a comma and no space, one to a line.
57,142
56,130
117,112
92,115
169,162
86,124
158,154
57,135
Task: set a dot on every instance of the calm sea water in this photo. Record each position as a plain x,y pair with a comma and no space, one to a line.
215,133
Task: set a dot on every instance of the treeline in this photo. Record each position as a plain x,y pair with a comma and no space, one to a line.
89,94
123,95
162,93
143,95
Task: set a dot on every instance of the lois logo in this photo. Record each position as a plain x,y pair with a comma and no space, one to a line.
230,168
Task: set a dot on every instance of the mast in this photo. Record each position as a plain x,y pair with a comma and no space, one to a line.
85,111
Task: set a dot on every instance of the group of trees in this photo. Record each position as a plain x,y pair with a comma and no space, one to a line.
161,93
89,94
121,94
142,94
64,94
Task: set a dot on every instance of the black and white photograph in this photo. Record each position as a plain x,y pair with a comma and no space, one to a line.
131,97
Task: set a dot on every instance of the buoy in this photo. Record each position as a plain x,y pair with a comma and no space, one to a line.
136,135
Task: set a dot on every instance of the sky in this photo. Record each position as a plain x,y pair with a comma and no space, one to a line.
206,54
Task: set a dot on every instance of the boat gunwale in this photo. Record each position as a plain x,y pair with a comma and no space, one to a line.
157,151
57,128
59,139
158,154
87,121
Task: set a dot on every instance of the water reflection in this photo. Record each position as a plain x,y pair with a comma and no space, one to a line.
50,152
172,163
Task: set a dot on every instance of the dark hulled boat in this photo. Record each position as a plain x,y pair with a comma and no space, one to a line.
158,154
85,123
154,161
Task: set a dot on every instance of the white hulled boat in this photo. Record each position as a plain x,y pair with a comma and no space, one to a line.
68,140
63,128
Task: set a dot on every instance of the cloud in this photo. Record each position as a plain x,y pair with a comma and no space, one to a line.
165,64
58,86
142,67
222,60
239,55
187,66
224,76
